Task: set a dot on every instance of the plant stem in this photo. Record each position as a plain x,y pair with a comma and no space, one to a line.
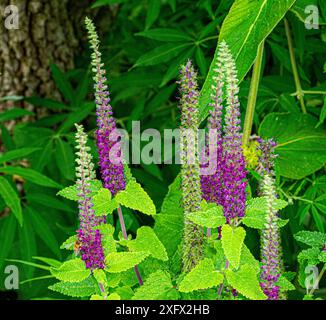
299,92
318,280
252,98
220,289
125,236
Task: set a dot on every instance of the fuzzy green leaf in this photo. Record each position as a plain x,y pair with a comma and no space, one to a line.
122,261
71,192
232,242
148,241
69,243
210,217
311,255
311,238
245,281
84,288
203,276
108,241
135,197
285,284
103,203
158,286
322,256
71,271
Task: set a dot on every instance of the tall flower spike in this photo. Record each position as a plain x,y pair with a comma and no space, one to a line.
271,250
89,237
271,260
190,178
234,172
112,171
211,184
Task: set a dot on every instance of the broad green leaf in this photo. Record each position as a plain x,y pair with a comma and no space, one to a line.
285,284
158,286
100,276
311,238
65,159
122,261
135,198
160,54
153,11
8,226
17,154
203,276
69,243
165,34
256,212
322,256
84,288
232,242
114,296
301,147
43,230
71,271
71,192
32,176
245,281
210,217
249,259
147,240
103,203
247,24
108,241
311,255
47,103
14,113
11,199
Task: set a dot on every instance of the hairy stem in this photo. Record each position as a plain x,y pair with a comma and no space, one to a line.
252,98
125,236
299,91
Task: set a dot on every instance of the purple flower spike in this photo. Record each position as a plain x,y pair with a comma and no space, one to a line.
89,238
112,170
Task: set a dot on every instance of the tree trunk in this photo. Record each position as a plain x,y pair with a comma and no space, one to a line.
48,32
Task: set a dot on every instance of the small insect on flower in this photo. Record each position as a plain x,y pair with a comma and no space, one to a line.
77,245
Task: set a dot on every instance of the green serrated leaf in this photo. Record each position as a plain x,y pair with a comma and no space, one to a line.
311,255
103,203
69,243
245,281
203,276
322,256
71,271
285,284
108,241
232,242
71,192
122,261
311,238
135,197
211,217
81,289
158,286
147,240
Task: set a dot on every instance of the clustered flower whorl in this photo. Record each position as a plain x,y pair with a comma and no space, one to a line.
234,171
89,238
211,184
112,170
271,252
190,178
